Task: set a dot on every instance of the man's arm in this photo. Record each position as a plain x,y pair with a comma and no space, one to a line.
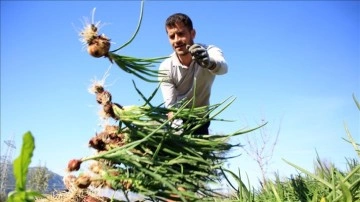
209,57
216,55
166,86
168,92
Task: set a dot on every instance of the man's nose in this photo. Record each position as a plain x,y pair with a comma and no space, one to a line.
177,38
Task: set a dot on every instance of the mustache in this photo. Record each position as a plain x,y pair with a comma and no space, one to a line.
179,45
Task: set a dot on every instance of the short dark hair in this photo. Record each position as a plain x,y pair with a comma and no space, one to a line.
179,17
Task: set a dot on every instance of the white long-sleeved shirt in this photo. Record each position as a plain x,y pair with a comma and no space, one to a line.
178,81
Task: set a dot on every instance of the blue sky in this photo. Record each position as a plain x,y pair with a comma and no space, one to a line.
294,64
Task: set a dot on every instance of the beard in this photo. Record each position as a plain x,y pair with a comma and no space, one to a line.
182,52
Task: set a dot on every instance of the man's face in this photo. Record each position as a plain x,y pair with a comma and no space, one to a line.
180,36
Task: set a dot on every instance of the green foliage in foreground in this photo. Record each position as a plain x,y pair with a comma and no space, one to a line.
326,183
21,167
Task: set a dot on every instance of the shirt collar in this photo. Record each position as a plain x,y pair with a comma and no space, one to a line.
177,63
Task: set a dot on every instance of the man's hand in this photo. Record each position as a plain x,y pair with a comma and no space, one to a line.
201,56
170,115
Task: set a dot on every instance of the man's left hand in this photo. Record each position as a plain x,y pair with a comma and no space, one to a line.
201,56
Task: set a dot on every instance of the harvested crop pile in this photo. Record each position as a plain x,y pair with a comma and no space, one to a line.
145,154
75,195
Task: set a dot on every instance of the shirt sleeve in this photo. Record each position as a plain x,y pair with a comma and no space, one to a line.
217,55
167,86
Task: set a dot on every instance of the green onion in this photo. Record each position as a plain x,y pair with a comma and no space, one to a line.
99,46
156,161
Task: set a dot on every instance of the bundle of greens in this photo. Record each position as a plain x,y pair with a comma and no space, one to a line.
145,154
98,45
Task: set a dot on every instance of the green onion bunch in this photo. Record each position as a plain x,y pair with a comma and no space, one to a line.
145,154
98,45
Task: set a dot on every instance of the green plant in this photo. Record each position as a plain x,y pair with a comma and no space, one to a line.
242,192
342,186
147,155
98,45
21,166
326,184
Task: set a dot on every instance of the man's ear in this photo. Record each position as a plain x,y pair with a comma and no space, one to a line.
193,34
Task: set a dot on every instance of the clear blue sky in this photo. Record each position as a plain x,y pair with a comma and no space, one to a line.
294,64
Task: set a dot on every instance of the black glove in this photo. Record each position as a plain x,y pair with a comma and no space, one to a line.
201,56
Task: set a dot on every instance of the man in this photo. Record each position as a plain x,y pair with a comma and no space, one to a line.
191,67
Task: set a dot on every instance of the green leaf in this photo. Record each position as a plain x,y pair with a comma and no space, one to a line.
356,102
310,174
346,193
16,196
137,28
140,67
352,141
21,164
24,196
242,191
276,194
